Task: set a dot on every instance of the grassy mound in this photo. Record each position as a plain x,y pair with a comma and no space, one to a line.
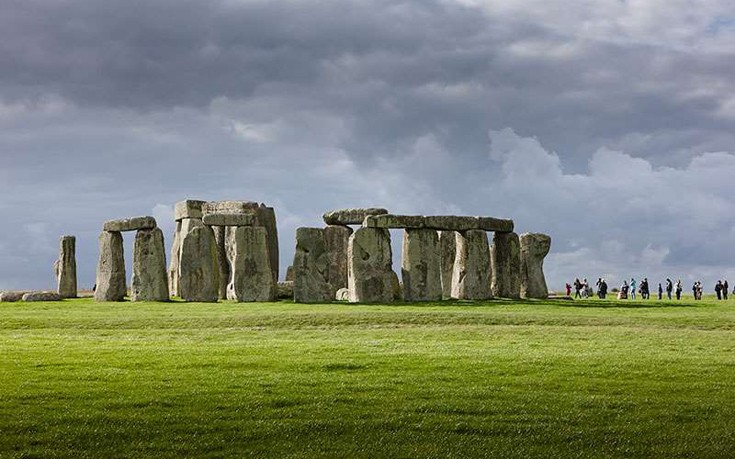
495,379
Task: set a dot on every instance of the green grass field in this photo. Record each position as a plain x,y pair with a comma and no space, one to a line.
502,379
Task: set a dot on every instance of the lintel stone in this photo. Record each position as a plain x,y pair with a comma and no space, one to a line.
451,222
189,208
393,221
130,224
222,219
500,225
351,216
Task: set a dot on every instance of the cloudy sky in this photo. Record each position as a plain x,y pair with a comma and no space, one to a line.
607,124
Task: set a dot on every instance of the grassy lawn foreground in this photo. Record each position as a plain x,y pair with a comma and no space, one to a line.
497,379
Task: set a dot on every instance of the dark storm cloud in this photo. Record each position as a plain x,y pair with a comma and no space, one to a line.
120,108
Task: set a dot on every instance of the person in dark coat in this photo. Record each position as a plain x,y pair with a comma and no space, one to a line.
669,287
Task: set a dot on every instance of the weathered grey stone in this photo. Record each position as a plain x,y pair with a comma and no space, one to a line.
173,267
420,265
451,222
199,271
393,221
499,225
224,265
251,278
471,277
448,248
534,247
284,290
129,224
41,296
505,259
337,238
110,268
11,297
229,219
188,209
311,267
370,272
266,217
396,285
229,207
351,216
342,294
66,268
289,273
149,282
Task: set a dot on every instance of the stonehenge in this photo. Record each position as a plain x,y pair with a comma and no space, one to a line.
534,247
66,268
229,250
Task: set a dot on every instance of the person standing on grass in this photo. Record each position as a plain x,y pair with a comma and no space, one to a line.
603,289
623,295
569,289
679,289
718,289
725,286
577,288
632,288
660,291
645,291
669,287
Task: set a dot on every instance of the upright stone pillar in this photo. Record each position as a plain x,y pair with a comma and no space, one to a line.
224,265
370,271
266,217
251,277
448,247
199,270
150,280
337,238
311,268
173,267
471,278
534,247
66,268
420,265
110,284
505,256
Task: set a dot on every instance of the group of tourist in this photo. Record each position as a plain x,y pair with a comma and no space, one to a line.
627,290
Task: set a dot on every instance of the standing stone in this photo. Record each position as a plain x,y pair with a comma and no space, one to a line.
66,269
224,265
251,278
267,219
448,248
199,271
173,267
110,268
505,256
534,247
337,238
471,277
150,280
420,265
311,268
289,273
370,271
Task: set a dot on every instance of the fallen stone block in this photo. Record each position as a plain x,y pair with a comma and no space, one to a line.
284,290
393,221
129,224
11,297
351,216
342,294
41,296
